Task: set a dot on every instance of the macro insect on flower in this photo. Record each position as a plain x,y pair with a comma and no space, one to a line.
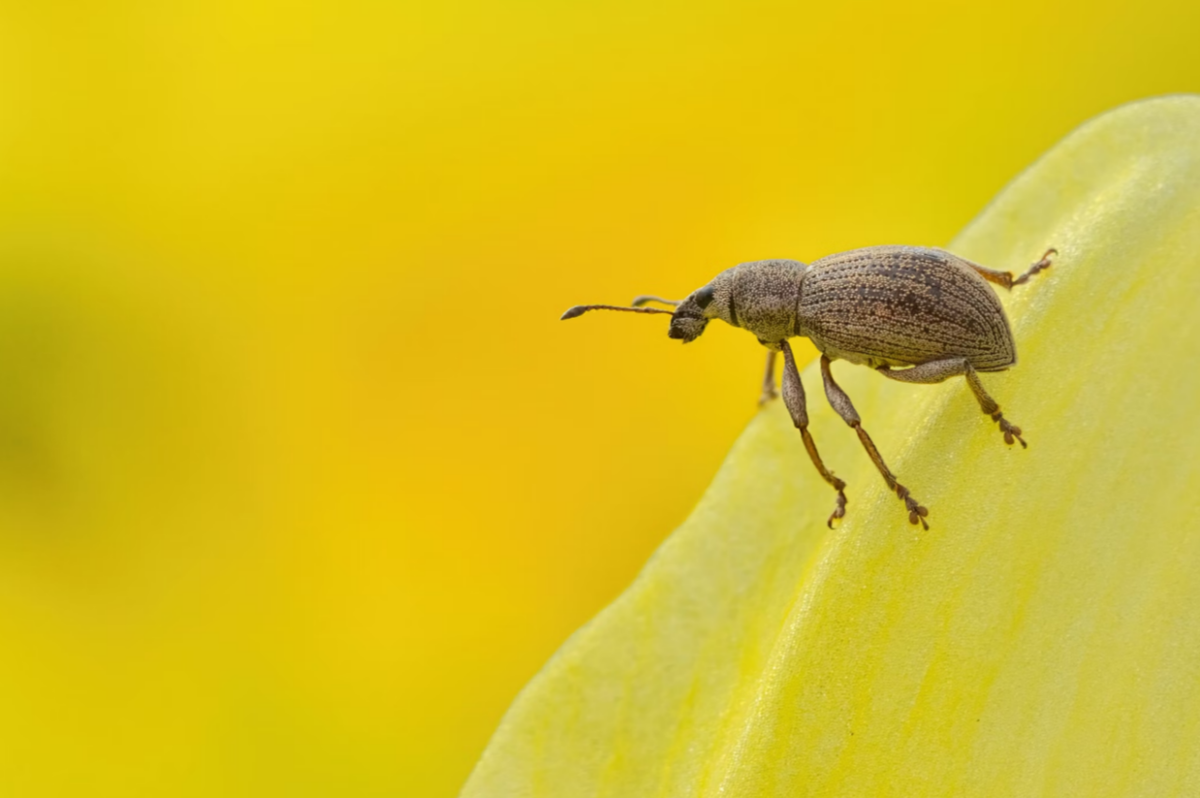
914,314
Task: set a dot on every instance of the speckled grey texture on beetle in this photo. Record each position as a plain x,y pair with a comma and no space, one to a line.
926,311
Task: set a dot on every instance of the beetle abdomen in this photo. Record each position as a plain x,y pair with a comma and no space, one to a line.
901,306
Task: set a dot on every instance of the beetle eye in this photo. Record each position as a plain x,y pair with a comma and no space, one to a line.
704,296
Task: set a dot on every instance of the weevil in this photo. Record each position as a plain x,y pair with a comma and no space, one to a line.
914,314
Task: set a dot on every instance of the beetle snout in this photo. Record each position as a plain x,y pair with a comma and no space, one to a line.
687,328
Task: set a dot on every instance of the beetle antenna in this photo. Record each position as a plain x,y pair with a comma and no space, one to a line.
579,310
638,301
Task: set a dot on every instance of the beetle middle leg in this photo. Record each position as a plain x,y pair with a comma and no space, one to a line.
939,370
845,408
768,386
793,397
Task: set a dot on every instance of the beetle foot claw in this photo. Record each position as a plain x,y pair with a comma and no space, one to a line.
1044,263
1014,432
1011,431
840,510
917,512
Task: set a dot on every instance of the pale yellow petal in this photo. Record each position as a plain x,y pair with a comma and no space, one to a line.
1042,638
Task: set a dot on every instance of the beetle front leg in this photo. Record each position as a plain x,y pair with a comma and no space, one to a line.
845,408
768,386
939,370
793,397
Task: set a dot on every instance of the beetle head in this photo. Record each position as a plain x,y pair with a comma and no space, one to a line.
694,313
690,318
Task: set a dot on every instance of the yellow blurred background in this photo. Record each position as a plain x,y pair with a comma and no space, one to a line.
301,478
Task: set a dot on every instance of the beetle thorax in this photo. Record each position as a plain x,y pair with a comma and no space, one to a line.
760,297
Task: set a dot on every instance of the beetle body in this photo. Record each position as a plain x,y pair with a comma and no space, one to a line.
879,306
926,311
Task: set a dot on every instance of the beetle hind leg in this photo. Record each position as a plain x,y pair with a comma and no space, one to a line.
1043,263
939,370
845,408
1006,279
